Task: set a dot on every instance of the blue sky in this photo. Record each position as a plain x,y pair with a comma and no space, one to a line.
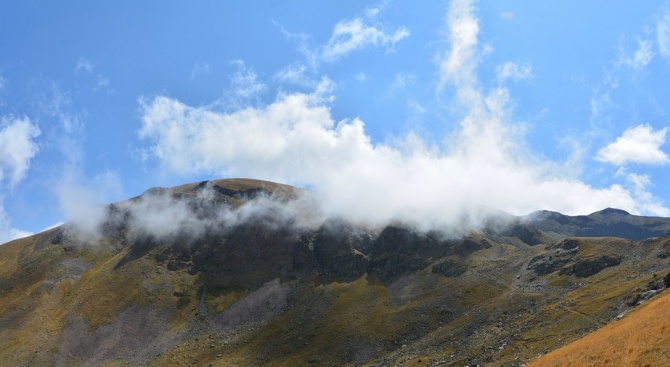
382,107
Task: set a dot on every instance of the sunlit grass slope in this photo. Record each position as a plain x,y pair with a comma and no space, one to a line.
641,338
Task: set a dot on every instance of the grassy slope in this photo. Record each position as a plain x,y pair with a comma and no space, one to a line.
497,313
485,314
641,338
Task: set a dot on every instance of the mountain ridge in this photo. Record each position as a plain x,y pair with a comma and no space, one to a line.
240,275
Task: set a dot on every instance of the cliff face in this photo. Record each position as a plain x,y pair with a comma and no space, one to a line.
219,282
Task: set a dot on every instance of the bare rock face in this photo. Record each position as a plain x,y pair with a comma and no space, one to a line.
565,257
560,254
592,265
341,250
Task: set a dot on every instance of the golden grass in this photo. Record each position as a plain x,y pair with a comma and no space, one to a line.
642,338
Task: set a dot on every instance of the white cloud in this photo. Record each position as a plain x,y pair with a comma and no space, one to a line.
639,144
17,147
296,139
353,35
663,34
640,58
458,65
81,200
514,72
377,9
294,74
244,81
640,184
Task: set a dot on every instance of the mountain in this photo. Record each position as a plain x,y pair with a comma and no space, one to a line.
243,272
607,222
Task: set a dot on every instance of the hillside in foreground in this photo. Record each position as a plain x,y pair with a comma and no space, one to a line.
640,338
222,273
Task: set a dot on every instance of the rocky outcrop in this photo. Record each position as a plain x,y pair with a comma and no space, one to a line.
561,253
592,265
449,268
564,257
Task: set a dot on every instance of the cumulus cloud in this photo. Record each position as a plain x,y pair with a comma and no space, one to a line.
514,72
17,147
639,144
355,34
296,139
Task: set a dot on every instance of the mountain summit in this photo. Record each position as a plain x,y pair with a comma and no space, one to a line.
248,273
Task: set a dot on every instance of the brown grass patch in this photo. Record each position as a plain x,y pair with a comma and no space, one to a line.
642,338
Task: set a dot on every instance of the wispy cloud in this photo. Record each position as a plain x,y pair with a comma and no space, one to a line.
355,34
663,34
294,74
639,144
375,10
640,184
365,32
458,64
198,69
514,72
638,59
401,81
244,81
86,66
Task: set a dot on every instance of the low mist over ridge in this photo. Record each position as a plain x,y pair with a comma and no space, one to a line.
211,206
